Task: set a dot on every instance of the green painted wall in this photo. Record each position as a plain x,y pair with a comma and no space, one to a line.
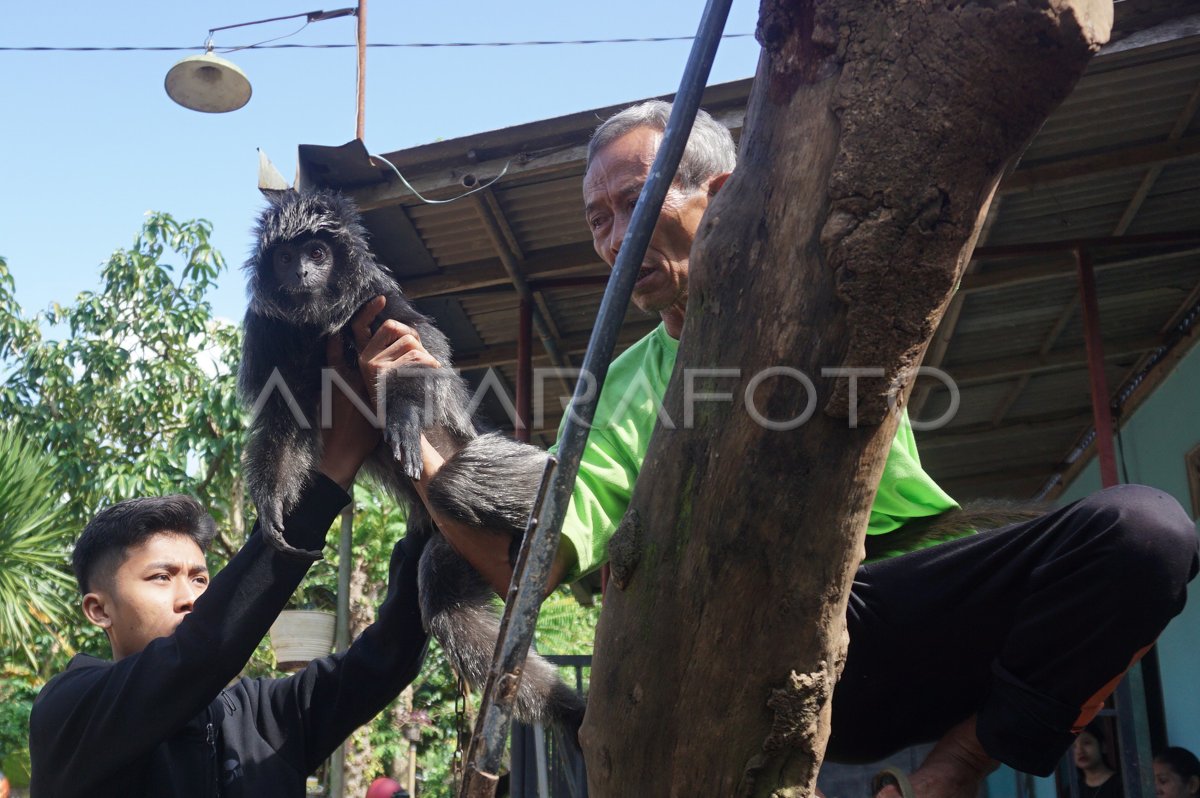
1155,441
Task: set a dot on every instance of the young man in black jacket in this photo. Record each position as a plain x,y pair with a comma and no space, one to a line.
162,719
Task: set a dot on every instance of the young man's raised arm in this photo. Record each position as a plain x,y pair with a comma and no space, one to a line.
99,717
306,716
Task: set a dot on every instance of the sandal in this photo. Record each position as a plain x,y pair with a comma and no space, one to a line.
892,777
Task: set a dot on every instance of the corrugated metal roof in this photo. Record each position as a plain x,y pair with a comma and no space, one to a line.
1098,168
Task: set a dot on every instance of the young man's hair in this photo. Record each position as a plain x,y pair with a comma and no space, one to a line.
709,151
101,548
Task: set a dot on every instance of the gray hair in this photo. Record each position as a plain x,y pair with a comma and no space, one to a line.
709,150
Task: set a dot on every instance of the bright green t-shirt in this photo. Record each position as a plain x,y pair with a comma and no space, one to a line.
629,406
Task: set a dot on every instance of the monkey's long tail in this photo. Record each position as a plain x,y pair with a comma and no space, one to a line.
974,516
457,606
491,482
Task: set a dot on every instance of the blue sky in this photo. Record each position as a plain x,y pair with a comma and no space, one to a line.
91,142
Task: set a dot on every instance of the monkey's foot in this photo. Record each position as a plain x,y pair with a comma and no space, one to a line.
955,768
403,434
406,450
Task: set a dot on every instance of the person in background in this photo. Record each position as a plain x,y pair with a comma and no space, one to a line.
1176,774
1096,778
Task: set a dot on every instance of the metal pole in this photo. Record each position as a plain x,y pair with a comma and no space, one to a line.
524,371
312,16
1095,353
525,600
341,635
410,783
361,14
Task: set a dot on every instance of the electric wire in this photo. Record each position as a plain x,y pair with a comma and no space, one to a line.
381,45
257,45
409,186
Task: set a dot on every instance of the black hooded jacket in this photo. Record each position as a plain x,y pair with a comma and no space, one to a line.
163,722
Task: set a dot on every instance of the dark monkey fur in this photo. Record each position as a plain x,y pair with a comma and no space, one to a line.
310,273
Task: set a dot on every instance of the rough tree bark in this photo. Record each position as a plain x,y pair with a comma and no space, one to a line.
875,136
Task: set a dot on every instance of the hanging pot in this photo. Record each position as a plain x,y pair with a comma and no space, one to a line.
300,636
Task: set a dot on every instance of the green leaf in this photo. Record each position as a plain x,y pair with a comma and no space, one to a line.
34,534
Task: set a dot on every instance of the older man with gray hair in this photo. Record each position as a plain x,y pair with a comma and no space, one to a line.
973,639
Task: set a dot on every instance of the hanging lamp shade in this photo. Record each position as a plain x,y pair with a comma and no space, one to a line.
208,83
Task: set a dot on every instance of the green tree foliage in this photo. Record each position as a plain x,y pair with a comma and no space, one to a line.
128,391
564,626
34,581
131,389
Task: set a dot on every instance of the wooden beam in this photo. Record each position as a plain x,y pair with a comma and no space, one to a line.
506,354
1004,368
986,435
1048,342
991,483
1061,266
510,237
452,181
490,273
545,134
1041,176
1184,308
1182,122
504,242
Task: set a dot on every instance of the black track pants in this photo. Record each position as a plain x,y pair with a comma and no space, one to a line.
1027,627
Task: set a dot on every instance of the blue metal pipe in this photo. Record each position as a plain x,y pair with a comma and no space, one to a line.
545,535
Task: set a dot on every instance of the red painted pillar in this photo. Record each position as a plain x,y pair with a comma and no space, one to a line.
1101,412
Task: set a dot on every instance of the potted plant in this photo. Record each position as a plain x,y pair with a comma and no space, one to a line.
305,630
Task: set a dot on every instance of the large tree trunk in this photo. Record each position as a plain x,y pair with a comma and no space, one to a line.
875,136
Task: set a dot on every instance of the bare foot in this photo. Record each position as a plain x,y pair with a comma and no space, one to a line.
954,768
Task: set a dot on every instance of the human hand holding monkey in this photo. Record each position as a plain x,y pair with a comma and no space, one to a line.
395,345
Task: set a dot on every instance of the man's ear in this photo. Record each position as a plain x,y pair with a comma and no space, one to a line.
1193,784
95,607
715,183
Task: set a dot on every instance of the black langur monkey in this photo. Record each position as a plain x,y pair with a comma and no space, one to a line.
311,271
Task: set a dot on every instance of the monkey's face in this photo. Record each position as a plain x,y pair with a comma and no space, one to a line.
303,266
312,266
